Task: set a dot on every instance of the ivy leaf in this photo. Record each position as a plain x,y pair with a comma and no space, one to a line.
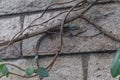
115,68
5,71
42,72
1,67
29,71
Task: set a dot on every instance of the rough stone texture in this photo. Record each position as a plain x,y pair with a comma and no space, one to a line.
32,41
65,68
11,52
8,28
17,6
105,16
13,6
48,44
99,67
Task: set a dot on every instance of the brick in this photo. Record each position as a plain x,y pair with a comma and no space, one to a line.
8,28
106,16
16,6
99,67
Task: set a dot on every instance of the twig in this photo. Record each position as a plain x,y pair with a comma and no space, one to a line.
109,34
56,16
89,7
90,36
22,75
107,2
12,65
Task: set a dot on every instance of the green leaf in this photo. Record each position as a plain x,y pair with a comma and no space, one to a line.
1,66
115,68
42,72
5,71
29,71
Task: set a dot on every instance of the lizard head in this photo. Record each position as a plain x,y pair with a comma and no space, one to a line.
72,26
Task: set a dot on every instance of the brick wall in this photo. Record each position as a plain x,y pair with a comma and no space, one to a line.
16,15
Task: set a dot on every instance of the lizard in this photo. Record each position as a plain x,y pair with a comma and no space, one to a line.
67,28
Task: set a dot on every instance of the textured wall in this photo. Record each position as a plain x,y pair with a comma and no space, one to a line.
14,17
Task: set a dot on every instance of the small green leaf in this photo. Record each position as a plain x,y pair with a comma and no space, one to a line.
115,68
29,71
5,71
1,67
42,72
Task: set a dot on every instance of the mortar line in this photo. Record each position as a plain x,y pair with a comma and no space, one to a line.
62,54
35,12
21,28
49,10
85,59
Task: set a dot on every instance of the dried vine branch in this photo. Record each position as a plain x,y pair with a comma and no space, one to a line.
105,32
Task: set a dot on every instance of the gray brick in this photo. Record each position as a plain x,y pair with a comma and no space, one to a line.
106,16
8,28
99,67
13,6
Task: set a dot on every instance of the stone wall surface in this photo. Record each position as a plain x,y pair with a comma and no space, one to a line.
73,67
99,67
8,28
18,6
64,68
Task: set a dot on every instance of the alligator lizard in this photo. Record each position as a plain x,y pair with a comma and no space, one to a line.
68,28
